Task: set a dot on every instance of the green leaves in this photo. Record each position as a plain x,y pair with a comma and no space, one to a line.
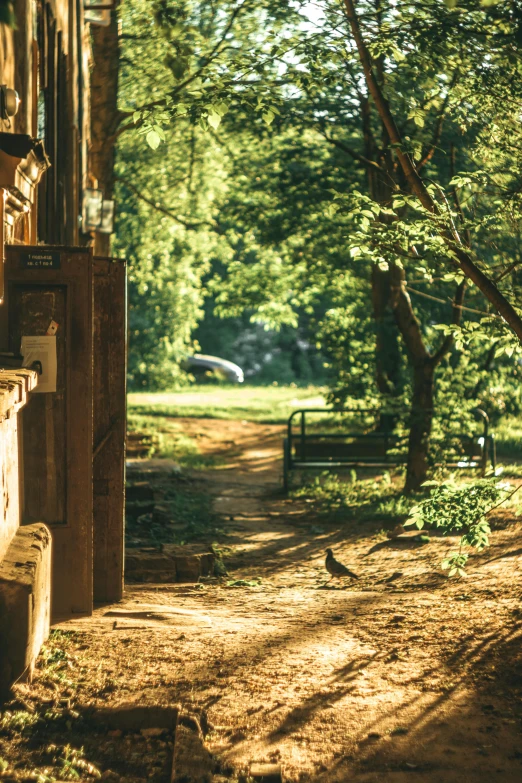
459,509
214,120
418,116
153,139
455,564
215,113
255,582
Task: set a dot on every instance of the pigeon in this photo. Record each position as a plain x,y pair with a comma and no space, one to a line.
397,531
335,568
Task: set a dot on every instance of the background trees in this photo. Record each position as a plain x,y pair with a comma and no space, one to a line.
349,172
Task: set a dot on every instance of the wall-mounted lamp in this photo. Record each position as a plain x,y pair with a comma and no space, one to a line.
9,102
99,5
107,219
92,209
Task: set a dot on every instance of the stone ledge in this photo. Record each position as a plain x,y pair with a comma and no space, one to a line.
25,589
15,386
173,564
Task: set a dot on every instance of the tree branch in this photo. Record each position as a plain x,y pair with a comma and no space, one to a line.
355,155
405,318
466,263
437,133
456,317
216,50
164,210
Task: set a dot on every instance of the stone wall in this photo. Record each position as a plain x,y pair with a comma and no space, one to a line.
15,386
25,552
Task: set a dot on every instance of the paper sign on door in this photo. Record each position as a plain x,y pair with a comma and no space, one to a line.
40,354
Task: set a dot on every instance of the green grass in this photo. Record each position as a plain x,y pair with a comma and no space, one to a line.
267,404
357,499
508,435
168,441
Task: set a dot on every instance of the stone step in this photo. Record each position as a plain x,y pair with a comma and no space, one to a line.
138,491
173,564
25,589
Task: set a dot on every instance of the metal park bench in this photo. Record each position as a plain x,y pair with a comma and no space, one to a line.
308,448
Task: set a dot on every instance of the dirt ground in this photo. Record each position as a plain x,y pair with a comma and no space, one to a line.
403,675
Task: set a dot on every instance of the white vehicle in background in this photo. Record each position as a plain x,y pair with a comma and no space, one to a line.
201,366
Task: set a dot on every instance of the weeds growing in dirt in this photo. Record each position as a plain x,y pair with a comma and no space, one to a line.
71,762
185,514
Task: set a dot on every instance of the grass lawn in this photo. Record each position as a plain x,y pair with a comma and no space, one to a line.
268,404
508,434
150,414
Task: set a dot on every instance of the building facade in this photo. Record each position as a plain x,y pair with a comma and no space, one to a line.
62,415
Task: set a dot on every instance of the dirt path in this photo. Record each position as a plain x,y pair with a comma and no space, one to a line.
403,676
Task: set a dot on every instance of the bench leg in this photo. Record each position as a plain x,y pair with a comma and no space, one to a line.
493,451
286,467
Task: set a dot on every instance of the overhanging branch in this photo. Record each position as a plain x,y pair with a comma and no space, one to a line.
466,263
164,210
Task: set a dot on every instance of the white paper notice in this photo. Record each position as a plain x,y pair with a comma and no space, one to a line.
40,354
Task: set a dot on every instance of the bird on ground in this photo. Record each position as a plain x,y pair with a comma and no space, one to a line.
335,568
397,531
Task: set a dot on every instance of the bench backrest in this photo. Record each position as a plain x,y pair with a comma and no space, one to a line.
309,440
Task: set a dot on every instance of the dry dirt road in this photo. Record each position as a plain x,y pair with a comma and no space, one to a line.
403,676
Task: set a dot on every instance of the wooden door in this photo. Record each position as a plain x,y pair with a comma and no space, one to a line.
45,284
109,407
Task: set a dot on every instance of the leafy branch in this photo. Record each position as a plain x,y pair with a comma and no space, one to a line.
461,510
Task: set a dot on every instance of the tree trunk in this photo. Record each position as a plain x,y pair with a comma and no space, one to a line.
105,117
420,425
387,351
423,366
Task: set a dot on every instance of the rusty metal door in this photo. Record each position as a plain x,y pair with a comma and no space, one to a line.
109,409
43,285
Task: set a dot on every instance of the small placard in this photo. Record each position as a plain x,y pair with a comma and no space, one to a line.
39,354
40,260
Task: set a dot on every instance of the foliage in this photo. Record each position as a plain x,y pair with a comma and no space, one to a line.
165,274
508,437
71,762
356,499
286,355
460,510
165,225
186,515
7,14
272,168
18,721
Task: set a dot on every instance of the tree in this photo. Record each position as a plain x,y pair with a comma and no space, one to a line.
105,117
405,96
424,363
393,165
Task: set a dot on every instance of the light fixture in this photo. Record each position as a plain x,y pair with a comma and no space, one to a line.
107,220
9,102
99,11
99,5
92,209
